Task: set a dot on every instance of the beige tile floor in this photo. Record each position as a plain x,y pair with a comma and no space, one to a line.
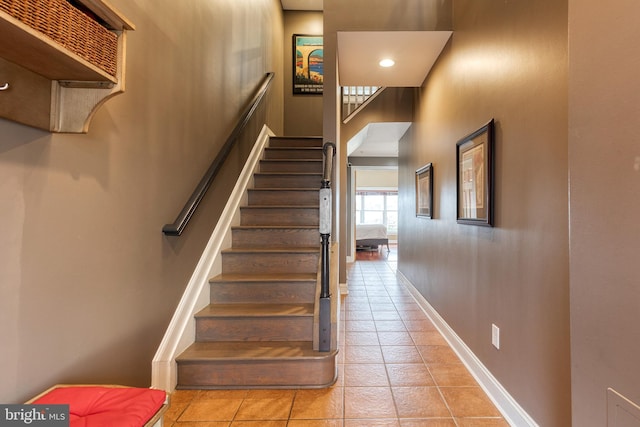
395,370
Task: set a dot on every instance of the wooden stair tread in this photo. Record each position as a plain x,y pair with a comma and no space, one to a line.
256,310
272,277
283,250
281,206
284,189
274,227
290,173
291,160
296,138
294,148
251,350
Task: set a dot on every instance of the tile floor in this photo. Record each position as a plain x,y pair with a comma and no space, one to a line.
395,370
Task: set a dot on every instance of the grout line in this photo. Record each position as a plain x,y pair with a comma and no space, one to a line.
377,280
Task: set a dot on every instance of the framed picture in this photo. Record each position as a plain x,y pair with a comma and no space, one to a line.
474,168
424,191
308,64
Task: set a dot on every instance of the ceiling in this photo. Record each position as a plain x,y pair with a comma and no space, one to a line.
359,53
414,53
301,4
377,140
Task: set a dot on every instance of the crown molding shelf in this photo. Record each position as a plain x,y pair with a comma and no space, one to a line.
47,85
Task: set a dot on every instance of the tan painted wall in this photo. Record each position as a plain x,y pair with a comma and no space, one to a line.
381,15
604,153
393,104
88,282
302,113
508,61
371,178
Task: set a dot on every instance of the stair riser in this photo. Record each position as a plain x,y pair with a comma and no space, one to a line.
295,142
267,293
289,166
293,153
296,328
275,238
236,336
250,263
280,216
311,181
260,374
284,197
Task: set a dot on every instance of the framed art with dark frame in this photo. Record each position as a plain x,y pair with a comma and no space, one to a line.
308,64
424,191
474,170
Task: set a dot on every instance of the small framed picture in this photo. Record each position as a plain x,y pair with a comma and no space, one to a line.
424,191
474,167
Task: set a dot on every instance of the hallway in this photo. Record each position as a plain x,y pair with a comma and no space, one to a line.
396,370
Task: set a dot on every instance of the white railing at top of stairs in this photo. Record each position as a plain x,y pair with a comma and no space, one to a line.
356,97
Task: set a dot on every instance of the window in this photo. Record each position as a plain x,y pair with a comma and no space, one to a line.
378,207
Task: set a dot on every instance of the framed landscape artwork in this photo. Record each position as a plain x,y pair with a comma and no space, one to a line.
308,64
424,191
474,167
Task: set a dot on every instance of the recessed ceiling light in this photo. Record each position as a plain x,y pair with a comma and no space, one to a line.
387,62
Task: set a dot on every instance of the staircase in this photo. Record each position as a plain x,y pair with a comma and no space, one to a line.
257,331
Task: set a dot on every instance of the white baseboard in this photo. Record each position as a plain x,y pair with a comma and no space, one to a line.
344,289
181,331
513,413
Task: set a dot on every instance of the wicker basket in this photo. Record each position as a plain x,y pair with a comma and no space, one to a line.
69,27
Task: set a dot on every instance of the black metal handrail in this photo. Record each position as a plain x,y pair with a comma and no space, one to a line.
329,150
178,226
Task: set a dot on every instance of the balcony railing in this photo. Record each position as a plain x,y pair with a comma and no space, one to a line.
355,98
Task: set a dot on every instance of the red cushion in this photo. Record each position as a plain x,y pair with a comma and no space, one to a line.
95,406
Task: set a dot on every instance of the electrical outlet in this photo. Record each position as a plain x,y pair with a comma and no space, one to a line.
495,336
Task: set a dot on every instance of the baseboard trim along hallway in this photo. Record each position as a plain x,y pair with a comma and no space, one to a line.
513,413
